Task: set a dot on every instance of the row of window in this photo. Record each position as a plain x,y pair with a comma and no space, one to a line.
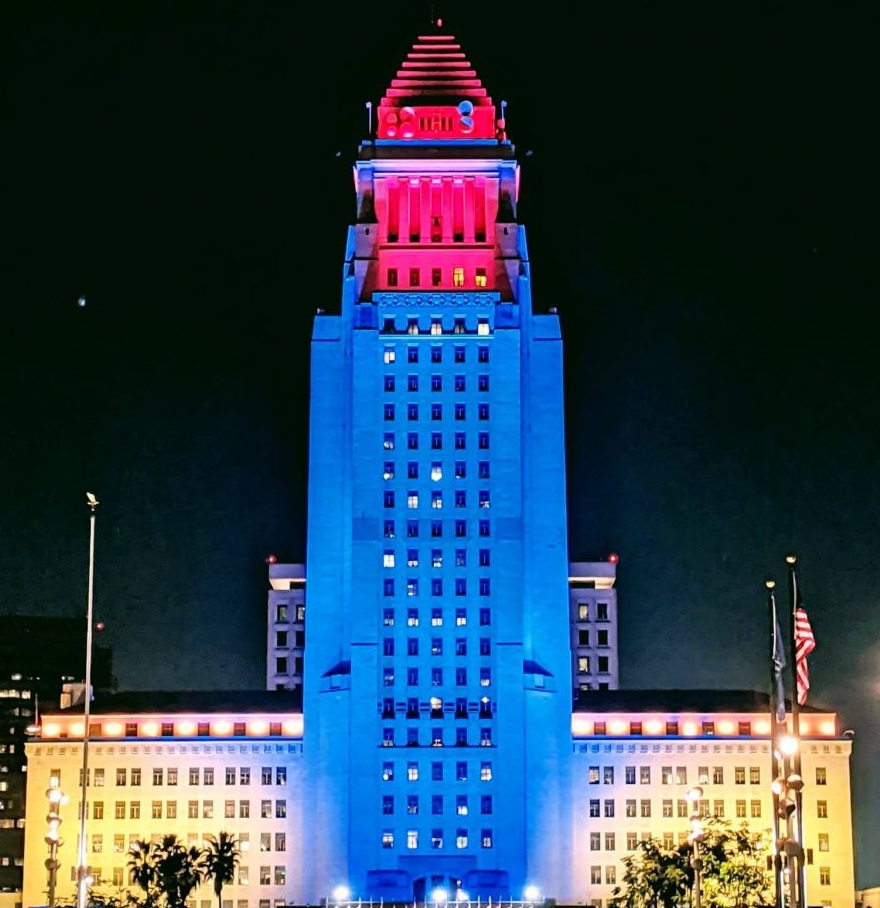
459,441
669,840
584,665
672,727
480,278
459,412
282,639
436,646
194,809
410,804
436,677
269,841
436,771
283,612
459,351
389,558
677,775
268,876
583,638
459,529
461,839
459,470
682,808
436,617
460,586
611,870
436,738
601,609
161,776
412,708
459,497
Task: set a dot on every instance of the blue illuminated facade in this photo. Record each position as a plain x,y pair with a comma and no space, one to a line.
438,659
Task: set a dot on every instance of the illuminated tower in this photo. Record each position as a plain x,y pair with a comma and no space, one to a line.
438,660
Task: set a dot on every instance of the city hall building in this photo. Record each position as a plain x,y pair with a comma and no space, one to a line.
442,707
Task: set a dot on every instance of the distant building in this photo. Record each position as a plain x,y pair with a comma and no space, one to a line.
37,656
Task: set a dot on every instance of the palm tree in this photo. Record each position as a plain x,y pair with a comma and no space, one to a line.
179,870
142,870
221,862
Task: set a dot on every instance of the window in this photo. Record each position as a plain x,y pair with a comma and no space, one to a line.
389,412
630,807
414,282
595,875
412,441
629,775
460,383
717,775
436,277
412,529
460,617
244,775
436,441
740,809
412,412
387,838
645,807
392,277
388,529
609,807
739,775
460,441
595,841
824,876
389,356
644,775
436,354
823,841
483,351
412,383
412,772
821,776
482,382
412,354
458,276
483,441
136,776
756,809
480,281
436,412
459,355
594,807
754,775
121,776
822,810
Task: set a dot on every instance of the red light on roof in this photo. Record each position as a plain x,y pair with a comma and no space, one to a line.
613,558
271,559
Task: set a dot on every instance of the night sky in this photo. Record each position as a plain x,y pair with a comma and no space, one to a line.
700,193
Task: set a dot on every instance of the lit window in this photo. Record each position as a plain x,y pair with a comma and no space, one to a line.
412,500
388,471
388,441
480,277
412,838
436,326
412,557
436,500
412,324
436,558
390,356
388,559
483,324
457,277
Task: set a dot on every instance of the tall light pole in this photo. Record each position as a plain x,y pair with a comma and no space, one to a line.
56,798
696,836
82,878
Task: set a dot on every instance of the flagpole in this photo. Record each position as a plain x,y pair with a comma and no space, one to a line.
796,731
776,690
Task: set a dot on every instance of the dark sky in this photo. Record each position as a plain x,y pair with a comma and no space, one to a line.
700,200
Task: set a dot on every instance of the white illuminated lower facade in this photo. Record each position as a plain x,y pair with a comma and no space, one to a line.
235,764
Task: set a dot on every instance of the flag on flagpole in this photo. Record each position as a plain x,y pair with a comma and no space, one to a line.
805,643
778,664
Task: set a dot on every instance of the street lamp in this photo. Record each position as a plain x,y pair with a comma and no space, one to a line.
696,836
82,876
56,797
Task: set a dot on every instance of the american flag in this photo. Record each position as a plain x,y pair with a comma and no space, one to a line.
805,643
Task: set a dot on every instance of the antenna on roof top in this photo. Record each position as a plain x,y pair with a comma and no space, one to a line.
369,106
